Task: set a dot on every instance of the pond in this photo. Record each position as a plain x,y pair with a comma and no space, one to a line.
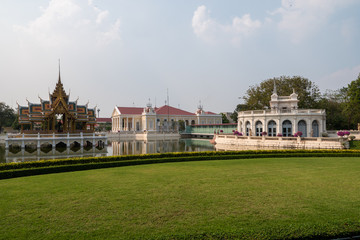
113,148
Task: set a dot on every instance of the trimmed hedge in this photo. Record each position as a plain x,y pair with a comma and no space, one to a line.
11,170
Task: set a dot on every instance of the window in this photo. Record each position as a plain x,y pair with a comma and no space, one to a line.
315,128
287,128
302,128
259,128
248,129
272,129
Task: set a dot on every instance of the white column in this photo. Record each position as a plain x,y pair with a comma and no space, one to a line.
133,124
308,127
278,126
295,127
127,123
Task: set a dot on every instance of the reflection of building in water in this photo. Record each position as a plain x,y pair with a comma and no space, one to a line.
39,154
160,146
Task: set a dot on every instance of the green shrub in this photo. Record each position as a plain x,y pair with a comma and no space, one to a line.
9,170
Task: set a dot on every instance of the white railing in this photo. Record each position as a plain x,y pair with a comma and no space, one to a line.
281,111
331,139
68,135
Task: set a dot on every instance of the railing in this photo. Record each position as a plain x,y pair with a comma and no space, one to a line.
331,139
39,135
281,111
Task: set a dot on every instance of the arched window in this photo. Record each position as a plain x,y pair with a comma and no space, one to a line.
248,128
272,128
186,122
315,128
192,122
287,128
259,128
302,128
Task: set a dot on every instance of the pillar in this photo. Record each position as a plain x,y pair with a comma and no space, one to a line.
53,124
81,140
53,143
38,141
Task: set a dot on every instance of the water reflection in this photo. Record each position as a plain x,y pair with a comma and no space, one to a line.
21,155
114,148
160,146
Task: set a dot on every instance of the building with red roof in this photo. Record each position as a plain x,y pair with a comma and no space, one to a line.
164,118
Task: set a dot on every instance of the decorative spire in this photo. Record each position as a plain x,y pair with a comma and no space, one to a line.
274,92
59,88
59,80
149,105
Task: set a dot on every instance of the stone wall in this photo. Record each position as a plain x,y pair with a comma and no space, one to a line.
231,142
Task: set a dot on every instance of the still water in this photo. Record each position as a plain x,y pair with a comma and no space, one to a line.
114,148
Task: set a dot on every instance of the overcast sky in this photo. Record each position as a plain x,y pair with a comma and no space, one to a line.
116,52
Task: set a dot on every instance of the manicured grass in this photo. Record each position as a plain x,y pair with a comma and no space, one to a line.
265,198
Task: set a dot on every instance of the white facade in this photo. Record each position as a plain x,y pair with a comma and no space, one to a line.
158,119
283,118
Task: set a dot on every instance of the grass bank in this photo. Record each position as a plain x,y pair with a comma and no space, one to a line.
266,198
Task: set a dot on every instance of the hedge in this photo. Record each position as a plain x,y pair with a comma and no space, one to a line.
11,170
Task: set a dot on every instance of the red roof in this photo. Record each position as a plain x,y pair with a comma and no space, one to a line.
211,113
131,110
103,120
165,110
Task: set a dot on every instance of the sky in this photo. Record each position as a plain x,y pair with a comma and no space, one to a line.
127,53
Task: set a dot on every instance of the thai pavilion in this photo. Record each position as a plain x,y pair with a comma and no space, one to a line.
283,119
56,115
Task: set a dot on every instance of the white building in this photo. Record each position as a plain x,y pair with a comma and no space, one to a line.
283,118
158,119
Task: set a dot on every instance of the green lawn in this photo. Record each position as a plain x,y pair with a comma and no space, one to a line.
248,199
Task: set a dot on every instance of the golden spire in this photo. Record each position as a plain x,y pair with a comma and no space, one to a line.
59,80
59,88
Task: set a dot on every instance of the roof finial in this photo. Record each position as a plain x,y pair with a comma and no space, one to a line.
59,72
274,92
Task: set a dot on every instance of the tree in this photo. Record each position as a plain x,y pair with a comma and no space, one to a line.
224,118
333,102
258,96
7,116
352,104
239,107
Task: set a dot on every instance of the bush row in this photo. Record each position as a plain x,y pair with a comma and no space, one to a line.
12,170
70,161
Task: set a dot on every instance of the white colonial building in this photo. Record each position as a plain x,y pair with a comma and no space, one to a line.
283,118
158,119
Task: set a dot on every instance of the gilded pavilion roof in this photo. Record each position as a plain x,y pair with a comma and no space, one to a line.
59,91
58,103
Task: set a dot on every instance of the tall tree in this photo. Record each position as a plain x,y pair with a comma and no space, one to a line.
352,104
258,96
7,116
224,118
239,107
333,101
